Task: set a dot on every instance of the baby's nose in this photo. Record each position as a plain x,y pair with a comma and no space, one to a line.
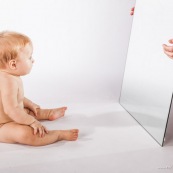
33,60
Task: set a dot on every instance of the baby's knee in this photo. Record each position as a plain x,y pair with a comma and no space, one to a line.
26,136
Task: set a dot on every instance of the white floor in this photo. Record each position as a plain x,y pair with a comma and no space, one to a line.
110,141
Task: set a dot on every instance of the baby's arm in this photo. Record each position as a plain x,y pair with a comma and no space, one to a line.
9,93
32,106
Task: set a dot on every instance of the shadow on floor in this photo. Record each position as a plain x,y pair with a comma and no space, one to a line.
87,124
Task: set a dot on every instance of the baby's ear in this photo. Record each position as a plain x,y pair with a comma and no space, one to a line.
12,64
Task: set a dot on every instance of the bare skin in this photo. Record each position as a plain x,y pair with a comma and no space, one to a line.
132,11
168,49
18,115
47,114
56,113
24,135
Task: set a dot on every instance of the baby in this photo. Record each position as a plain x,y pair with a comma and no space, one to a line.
18,115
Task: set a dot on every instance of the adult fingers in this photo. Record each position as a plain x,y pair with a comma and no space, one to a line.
171,41
132,11
167,48
169,54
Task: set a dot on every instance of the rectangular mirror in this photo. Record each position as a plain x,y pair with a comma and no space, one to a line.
148,78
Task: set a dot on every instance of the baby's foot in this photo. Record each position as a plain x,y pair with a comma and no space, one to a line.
56,113
69,135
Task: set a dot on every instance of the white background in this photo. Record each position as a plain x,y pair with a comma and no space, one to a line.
86,69
80,47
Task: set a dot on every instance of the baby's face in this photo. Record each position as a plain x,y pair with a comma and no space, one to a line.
25,60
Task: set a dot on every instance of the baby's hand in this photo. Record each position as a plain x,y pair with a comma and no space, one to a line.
34,108
168,50
39,128
132,11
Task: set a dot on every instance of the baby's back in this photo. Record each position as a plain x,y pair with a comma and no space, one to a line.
4,118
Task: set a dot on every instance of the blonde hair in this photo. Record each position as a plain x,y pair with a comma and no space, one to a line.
10,44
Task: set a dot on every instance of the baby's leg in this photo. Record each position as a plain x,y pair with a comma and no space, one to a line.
51,114
48,114
16,133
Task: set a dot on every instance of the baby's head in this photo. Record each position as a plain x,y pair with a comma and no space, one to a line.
14,49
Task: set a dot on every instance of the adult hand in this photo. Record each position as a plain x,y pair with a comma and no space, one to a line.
168,50
132,11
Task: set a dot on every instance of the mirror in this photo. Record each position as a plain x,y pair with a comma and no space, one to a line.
148,78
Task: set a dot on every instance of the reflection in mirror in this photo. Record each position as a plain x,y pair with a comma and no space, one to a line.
148,79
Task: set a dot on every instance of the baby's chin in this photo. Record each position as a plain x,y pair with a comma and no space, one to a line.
24,73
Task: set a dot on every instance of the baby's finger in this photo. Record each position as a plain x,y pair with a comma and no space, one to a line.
35,111
168,48
35,130
43,132
46,130
40,131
